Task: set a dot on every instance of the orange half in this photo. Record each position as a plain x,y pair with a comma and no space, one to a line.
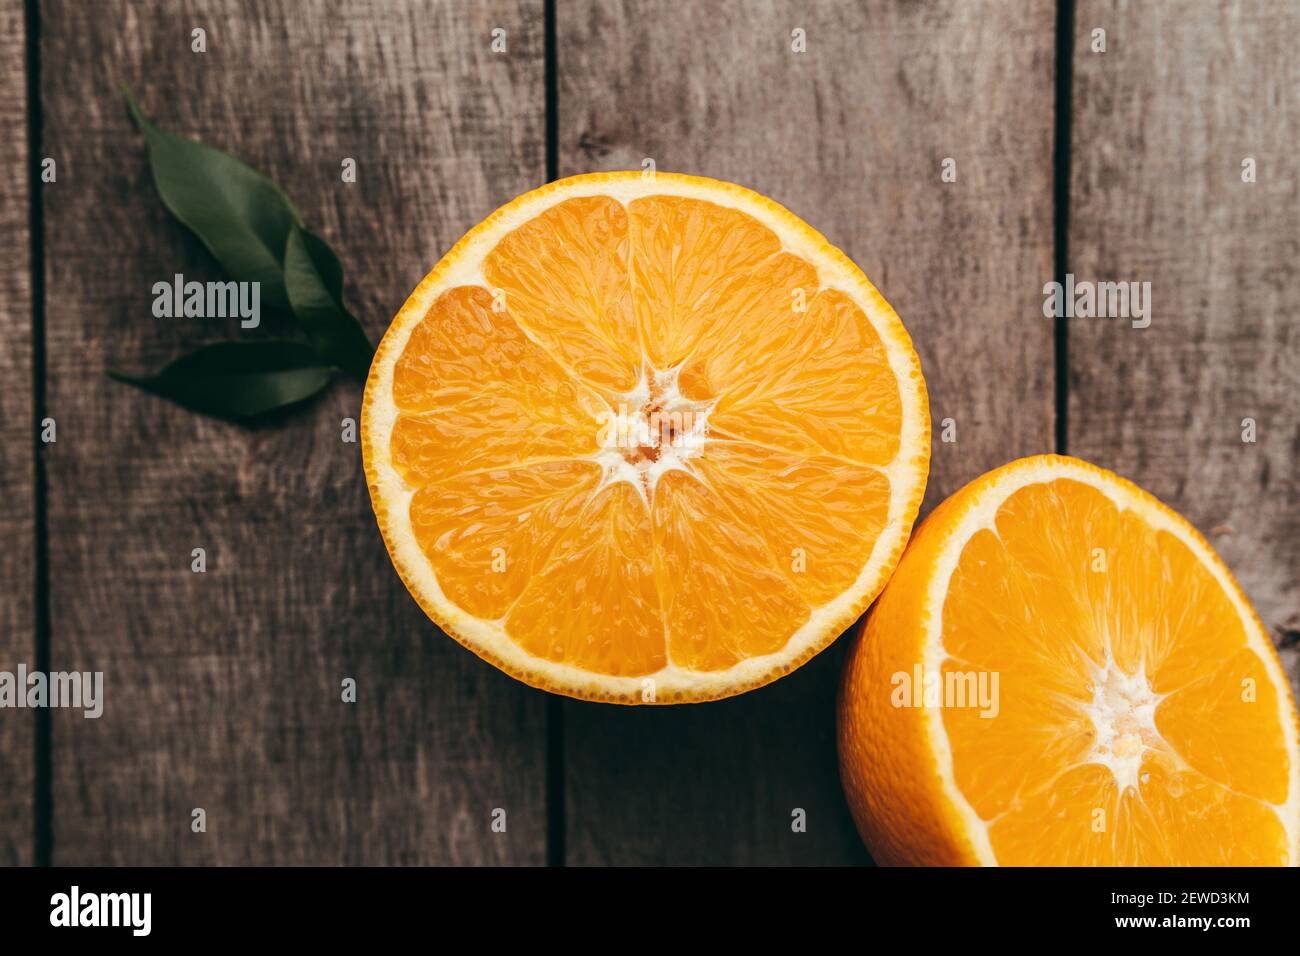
645,439
1063,672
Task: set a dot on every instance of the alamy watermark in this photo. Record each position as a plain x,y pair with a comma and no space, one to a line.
1101,300
82,690
133,911
209,300
947,689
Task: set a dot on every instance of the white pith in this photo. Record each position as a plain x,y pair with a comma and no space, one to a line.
1123,714
656,393
905,472
1123,707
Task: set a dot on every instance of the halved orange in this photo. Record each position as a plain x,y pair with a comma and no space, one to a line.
1062,671
645,439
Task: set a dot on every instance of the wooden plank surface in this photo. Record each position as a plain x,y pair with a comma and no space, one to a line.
17,424
850,135
1162,123
223,688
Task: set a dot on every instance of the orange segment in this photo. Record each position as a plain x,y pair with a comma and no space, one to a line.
1135,713
1200,627
488,533
683,253
989,591
594,605
565,279
645,439
825,388
1016,755
725,597
753,323
1047,831
819,517
474,392
1212,724
1215,827
1218,828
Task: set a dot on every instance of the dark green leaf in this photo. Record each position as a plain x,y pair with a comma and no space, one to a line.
240,215
314,282
326,263
237,380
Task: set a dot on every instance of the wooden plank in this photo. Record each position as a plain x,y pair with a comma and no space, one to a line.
850,135
223,688
1163,121
17,493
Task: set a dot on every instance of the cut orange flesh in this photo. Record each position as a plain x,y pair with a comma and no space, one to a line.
645,439
1062,672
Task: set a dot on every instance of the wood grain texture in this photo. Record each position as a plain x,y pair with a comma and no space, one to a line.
851,136
223,688
1162,122
17,495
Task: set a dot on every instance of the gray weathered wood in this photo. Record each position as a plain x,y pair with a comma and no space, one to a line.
1162,122
850,135
223,688
17,542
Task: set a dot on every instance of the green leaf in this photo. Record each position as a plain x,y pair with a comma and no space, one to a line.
314,281
327,264
239,380
240,215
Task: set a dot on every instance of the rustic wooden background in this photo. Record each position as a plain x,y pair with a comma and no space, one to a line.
222,688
